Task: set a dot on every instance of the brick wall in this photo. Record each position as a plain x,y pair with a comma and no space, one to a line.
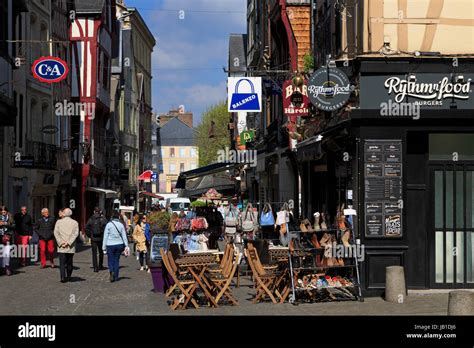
300,19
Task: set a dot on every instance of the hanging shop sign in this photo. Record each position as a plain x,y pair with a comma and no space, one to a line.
295,99
247,136
329,89
49,69
244,94
427,91
383,188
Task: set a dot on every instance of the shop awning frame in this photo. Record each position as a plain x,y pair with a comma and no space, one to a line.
107,193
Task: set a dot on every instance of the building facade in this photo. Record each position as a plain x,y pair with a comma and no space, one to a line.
400,150
175,150
132,77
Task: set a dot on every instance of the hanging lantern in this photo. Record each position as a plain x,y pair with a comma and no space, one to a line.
298,79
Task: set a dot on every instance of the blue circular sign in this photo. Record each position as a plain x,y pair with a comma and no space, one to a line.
50,69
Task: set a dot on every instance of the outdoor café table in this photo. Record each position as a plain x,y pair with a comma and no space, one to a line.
197,264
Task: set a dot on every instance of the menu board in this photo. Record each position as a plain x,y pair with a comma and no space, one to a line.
383,188
158,241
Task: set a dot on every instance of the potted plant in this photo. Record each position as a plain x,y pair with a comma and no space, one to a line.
159,221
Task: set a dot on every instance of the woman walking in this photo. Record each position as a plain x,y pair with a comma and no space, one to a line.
115,242
140,239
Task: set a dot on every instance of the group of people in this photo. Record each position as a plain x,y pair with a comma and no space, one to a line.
107,237
18,229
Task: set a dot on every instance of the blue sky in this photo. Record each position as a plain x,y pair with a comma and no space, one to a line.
190,52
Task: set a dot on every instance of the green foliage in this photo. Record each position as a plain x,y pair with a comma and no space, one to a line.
208,147
308,62
198,203
159,219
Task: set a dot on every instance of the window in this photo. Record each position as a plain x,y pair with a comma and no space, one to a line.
443,146
172,155
194,152
160,168
105,72
172,168
162,153
182,152
193,166
154,151
181,167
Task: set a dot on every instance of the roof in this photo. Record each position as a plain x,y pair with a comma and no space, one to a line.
177,133
89,6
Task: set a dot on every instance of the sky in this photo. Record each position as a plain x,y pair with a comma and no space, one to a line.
191,48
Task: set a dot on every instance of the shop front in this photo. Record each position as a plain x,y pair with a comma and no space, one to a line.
415,160
404,161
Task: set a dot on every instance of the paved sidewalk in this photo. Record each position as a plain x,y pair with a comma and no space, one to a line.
35,291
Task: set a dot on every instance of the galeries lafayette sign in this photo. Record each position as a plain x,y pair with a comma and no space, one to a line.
429,91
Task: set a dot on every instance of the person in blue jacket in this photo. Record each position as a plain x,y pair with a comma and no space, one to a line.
115,242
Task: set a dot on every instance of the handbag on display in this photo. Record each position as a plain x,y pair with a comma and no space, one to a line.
248,221
282,217
266,218
231,218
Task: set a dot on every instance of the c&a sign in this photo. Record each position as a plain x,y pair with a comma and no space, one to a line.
49,69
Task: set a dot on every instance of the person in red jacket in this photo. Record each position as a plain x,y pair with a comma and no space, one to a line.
24,231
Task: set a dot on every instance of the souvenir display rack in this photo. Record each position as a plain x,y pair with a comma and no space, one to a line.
312,281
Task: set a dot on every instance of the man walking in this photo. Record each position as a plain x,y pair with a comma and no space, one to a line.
66,231
45,230
24,232
95,231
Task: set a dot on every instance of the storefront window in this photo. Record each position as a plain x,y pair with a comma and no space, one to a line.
451,146
439,199
449,199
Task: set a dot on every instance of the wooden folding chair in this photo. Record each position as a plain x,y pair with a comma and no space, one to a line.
263,281
229,250
186,286
222,281
278,286
182,273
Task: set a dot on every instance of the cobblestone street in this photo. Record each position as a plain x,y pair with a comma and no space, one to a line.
33,291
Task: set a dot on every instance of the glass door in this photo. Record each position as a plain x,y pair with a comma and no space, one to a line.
452,226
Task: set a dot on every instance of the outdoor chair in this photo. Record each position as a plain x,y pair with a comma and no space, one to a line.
186,285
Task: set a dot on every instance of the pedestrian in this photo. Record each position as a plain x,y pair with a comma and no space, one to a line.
45,230
135,222
139,237
66,231
61,213
24,232
95,228
115,242
6,237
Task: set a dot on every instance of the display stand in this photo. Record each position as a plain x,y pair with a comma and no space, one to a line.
303,261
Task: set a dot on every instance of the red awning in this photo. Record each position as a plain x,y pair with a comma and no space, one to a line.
154,195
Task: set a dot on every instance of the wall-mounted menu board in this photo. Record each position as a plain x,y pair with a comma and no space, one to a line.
383,188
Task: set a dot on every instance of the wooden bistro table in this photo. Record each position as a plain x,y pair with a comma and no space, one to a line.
197,264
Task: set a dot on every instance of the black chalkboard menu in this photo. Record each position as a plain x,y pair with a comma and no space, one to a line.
383,188
158,241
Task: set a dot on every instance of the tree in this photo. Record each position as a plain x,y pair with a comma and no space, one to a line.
212,133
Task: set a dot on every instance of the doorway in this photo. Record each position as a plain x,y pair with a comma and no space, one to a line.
451,231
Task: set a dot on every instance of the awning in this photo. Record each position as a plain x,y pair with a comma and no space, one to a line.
311,149
218,176
150,194
107,193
